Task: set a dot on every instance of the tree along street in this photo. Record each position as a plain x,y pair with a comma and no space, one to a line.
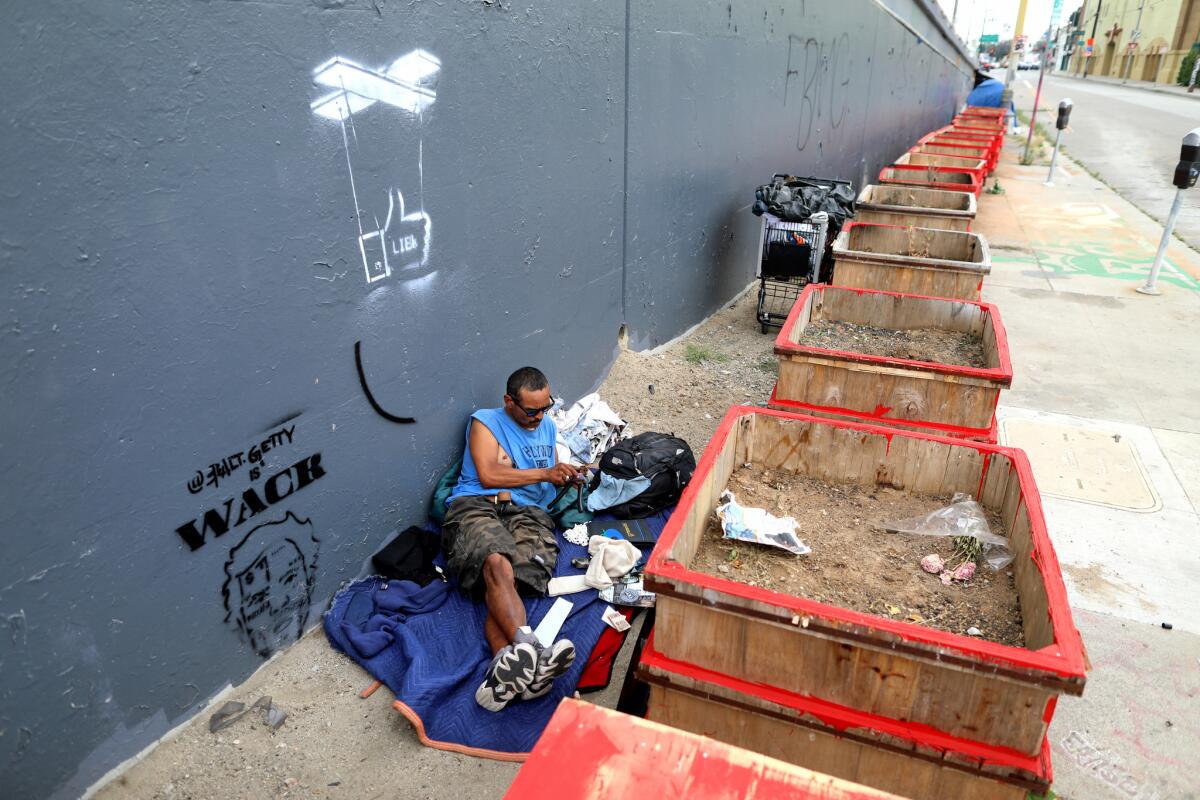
1127,136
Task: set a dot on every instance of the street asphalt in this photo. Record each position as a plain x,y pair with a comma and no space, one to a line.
1129,136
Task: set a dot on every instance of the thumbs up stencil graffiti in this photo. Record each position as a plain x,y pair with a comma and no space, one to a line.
395,242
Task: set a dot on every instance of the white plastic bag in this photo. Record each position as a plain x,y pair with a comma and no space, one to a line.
963,517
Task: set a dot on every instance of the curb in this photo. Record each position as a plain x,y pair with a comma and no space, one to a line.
1112,82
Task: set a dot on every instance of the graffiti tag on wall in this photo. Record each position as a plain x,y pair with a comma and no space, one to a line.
396,241
255,454
253,501
822,73
269,580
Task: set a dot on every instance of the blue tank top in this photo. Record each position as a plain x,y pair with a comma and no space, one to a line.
527,449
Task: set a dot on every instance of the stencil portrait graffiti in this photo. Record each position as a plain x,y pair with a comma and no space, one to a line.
269,581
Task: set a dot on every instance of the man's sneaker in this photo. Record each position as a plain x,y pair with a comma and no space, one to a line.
552,662
510,674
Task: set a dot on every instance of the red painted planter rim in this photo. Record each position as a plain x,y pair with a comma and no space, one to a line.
975,172
994,142
988,434
843,718
1064,657
975,186
931,169
1002,373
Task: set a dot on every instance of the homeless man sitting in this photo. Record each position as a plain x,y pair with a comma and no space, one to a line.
499,538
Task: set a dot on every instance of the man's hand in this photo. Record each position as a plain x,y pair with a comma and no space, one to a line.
561,474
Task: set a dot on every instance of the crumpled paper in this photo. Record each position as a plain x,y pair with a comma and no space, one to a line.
757,525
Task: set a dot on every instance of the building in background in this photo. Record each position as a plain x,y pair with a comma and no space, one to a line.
1146,50
1186,37
1066,38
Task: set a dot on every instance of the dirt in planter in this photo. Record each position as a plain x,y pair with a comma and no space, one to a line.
854,564
917,344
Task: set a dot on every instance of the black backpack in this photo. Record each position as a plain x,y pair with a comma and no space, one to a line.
666,460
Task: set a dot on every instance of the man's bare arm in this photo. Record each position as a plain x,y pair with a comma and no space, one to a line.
485,452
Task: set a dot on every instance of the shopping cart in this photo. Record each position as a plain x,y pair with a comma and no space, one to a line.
790,256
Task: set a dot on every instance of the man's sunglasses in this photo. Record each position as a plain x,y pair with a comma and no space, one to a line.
533,412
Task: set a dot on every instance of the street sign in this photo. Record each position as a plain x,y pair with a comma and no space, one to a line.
990,38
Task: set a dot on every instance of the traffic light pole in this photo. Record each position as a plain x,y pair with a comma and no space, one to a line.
1012,49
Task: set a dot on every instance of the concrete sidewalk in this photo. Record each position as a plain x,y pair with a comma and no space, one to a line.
1104,400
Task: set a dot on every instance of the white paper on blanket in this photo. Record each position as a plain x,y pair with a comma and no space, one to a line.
567,584
757,525
586,429
547,630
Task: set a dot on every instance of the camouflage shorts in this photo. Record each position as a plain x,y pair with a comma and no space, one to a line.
475,527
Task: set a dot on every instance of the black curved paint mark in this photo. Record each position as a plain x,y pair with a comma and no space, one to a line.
362,381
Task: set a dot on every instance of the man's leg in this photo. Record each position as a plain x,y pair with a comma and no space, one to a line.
506,612
479,548
532,531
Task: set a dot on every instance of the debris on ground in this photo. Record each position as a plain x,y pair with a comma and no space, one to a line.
272,715
225,716
933,564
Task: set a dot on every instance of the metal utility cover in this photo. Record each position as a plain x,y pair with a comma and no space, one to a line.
1092,466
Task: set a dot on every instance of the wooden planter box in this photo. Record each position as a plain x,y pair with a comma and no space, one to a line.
932,178
916,206
911,260
937,398
961,686
640,758
882,753
986,112
963,150
975,139
992,127
976,127
975,166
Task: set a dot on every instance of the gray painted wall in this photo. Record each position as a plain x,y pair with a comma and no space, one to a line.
184,280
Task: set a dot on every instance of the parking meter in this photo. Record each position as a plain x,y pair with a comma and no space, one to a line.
1064,114
1064,117
1189,154
1185,178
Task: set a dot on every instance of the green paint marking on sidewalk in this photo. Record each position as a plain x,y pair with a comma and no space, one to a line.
1098,261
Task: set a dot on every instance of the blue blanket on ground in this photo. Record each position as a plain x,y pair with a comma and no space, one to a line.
427,646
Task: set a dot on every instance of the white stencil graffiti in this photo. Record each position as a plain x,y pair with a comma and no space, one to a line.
407,84
400,243
403,240
1105,766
